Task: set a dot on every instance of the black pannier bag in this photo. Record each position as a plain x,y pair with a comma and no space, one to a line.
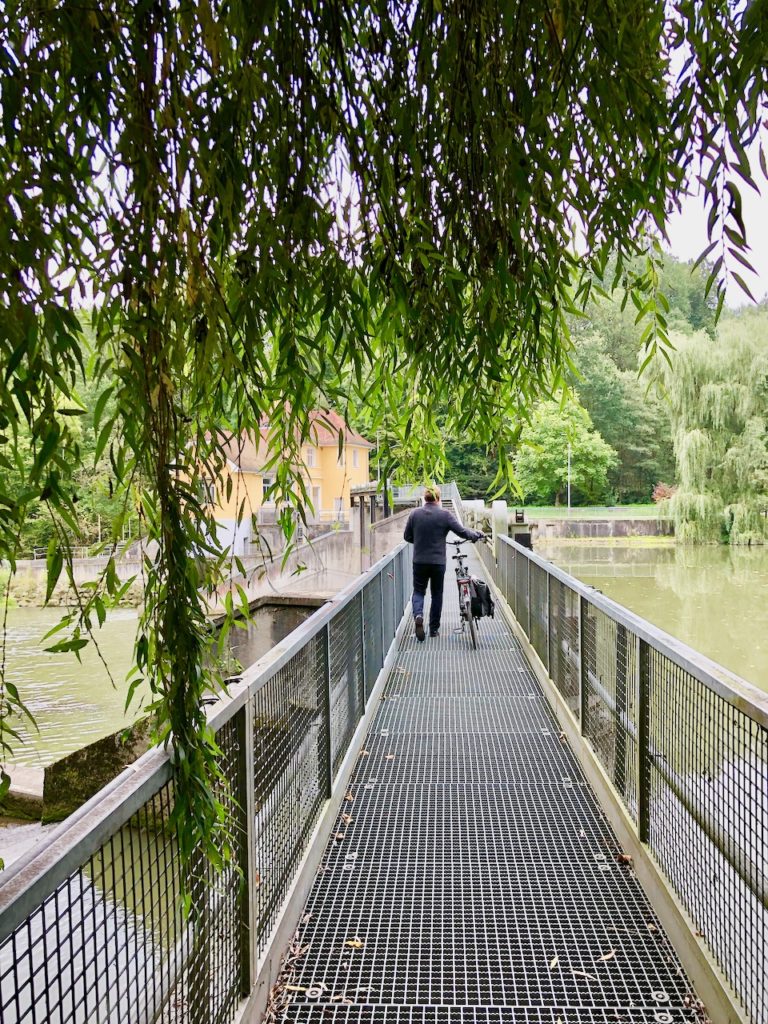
482,602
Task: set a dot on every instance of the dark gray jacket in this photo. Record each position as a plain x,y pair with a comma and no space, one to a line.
427,528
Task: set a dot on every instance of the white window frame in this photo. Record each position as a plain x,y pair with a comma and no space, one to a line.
309,457
355,459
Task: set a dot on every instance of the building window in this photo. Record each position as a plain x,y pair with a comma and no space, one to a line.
309,457
340,458
267,483
355,458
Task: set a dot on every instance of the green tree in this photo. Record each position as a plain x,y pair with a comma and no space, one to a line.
541,462
632,420
264,200
471,466
718,396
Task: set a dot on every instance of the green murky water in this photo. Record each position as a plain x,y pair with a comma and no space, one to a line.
75,703
715,599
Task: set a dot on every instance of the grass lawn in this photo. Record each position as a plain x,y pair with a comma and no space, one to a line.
591,512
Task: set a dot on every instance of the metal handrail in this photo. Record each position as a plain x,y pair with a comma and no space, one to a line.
731,708
726,684
26,883
259,674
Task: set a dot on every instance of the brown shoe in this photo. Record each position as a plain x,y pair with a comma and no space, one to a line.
420,628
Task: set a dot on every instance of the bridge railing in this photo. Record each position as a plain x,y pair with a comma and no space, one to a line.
683,741
91,921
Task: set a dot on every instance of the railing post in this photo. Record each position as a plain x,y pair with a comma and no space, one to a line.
328,766
528,598
246,803
583,666
643,759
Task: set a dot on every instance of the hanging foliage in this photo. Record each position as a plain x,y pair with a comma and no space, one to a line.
718,398
256,209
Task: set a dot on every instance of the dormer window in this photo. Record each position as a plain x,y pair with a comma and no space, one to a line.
309,457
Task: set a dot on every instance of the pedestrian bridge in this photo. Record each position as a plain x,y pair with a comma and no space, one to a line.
567,824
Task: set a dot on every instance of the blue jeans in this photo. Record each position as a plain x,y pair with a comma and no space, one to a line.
425,573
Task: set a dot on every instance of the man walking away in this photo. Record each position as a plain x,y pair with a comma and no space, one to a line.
426,529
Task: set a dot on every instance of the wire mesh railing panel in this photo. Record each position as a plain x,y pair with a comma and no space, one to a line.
564,642
610,678
347,696
214,974
388,605
507,555
112,941
520,608
405,557
708,819
290,773
539,628
372,632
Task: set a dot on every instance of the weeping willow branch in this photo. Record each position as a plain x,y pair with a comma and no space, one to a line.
255,213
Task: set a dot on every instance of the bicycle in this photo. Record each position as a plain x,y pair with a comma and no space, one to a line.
464,583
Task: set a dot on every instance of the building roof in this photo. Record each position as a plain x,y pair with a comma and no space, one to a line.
326,425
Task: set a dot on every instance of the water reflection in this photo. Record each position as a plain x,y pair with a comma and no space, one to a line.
713,598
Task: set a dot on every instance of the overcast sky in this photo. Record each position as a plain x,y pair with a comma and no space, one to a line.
688,238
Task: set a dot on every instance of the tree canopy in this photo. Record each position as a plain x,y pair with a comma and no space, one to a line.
260,208
542,461
718,395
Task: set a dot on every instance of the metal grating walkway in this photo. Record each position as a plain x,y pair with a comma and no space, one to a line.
473,878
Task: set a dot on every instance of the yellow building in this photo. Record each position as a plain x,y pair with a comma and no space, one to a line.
328,473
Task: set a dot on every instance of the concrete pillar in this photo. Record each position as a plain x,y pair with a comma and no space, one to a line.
499,520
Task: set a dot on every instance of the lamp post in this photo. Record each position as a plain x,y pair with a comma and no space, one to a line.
569,477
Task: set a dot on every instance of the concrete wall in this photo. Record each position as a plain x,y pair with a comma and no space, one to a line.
28,583
598,528
383,536
317,569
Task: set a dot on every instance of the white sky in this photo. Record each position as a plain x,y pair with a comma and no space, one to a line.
688,237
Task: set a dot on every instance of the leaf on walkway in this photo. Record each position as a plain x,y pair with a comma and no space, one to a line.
607,956
295,988
624,858
339,836
652,927
257,880
553,963
583,974
347,819
349,797
390,757
356,943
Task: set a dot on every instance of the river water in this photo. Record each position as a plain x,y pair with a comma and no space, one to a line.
75,703
713,598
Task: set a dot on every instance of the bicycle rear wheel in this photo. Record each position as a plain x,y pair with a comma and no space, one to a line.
472,628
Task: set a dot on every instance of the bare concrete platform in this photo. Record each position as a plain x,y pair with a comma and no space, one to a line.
25,797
